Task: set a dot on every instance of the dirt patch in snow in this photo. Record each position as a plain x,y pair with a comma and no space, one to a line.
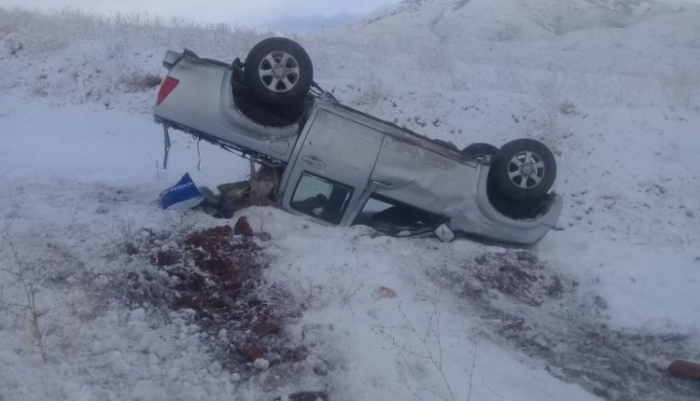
518,275
531,308
216,278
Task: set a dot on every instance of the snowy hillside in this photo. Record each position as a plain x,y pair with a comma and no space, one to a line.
455,21
101,296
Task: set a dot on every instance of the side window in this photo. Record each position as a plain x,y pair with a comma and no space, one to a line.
321,198
395,218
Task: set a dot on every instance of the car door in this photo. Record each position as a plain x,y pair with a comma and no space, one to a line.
332,168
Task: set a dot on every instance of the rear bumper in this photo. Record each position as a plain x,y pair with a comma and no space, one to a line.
491,223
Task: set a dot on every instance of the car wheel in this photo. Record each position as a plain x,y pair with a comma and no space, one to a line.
278,71
523,170
479,150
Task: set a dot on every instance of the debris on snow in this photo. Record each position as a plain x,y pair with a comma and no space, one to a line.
216,275
537,311
384,292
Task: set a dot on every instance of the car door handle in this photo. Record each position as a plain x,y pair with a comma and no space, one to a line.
383,184
314,161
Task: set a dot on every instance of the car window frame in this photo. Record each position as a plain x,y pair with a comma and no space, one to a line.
344,208
415,231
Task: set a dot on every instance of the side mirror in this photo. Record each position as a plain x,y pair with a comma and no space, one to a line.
444,233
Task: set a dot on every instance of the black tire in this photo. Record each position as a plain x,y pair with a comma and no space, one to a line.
278,71
523,170
479,150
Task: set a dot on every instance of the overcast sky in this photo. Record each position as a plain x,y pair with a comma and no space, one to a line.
229,11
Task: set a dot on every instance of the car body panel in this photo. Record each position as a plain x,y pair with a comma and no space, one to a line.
203,105
353,153
339,149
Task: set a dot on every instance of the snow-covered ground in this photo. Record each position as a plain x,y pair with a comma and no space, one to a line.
597,310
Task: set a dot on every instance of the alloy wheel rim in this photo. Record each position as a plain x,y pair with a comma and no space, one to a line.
526,170
279,71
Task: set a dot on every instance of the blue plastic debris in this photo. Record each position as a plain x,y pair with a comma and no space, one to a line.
183,195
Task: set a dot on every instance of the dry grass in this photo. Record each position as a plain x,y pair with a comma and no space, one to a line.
141,82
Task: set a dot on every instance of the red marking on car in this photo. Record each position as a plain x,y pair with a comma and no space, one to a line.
168,85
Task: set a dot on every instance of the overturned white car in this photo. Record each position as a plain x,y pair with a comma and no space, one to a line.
336,165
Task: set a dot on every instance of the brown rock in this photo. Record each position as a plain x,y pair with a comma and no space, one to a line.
221,231
252,352
243,228
685,370
267,328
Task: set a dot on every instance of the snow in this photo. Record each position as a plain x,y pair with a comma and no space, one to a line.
261,364
615,93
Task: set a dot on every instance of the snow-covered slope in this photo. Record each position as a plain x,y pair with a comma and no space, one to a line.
455,21
596,311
